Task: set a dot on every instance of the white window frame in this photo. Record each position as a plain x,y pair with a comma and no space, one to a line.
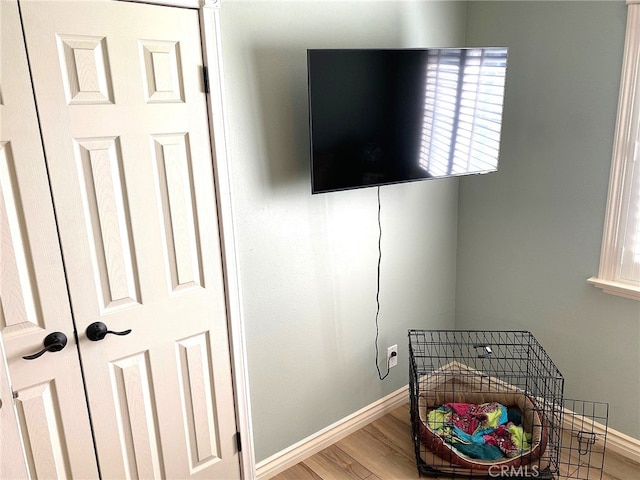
625,154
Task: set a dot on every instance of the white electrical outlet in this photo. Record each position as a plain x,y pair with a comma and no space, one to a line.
392,360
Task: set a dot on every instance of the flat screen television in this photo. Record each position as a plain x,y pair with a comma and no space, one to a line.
384,116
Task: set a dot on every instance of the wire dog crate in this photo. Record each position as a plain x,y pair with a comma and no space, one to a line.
490,404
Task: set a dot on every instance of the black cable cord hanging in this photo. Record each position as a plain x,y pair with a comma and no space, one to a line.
380,376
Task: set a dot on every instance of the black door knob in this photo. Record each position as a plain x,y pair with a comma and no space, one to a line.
54,342
98,330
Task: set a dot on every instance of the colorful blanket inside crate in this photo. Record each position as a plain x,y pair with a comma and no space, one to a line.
489,431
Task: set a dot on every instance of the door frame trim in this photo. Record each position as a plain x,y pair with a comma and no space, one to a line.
209,11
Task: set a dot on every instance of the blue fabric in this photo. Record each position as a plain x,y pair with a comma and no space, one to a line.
480,452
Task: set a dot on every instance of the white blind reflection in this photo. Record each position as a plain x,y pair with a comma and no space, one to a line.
463,110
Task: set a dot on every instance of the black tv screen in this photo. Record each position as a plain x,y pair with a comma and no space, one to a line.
379,117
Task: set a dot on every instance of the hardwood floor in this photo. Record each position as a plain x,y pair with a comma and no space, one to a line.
383,450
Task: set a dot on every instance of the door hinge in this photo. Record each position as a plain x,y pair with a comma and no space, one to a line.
238,442
205,75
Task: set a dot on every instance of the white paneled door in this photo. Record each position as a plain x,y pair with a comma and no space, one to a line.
50,423
127,167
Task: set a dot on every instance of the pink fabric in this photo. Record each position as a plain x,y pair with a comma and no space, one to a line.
465,416
460,408
468,417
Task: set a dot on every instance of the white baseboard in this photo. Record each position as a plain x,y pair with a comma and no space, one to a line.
311,445
617,442
623,445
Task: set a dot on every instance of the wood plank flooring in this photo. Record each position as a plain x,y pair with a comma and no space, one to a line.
383,450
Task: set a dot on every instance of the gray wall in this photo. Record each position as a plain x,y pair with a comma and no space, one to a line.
308,263
529,236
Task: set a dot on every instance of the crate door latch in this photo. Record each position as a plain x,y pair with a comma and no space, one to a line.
585,440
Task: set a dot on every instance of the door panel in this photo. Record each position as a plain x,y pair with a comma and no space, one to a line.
125,129
50,408
10,441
